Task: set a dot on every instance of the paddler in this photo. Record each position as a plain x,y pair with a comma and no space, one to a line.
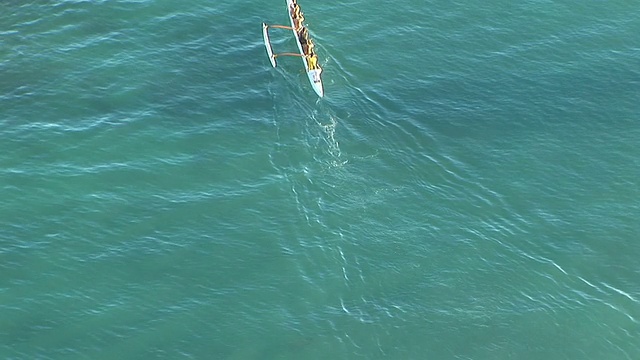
307,47
295,7
297,22
303,35
295,10
297,16
312,60
305,41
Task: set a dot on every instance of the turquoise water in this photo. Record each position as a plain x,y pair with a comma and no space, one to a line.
467,189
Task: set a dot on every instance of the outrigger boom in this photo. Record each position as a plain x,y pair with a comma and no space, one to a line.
280,27
313,69
288,54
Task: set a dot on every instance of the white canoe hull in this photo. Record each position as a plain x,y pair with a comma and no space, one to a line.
313,75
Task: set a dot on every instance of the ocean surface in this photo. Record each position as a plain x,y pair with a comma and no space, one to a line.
468,188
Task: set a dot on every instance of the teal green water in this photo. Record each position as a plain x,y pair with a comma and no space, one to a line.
467,189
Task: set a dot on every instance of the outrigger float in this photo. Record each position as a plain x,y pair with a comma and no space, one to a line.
311,65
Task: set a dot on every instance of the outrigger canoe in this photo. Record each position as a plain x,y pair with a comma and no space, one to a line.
314,74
